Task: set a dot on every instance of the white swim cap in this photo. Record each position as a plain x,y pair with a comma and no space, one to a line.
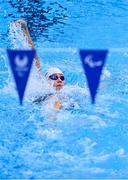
53,70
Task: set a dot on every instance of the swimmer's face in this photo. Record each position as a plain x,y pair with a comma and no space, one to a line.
58,80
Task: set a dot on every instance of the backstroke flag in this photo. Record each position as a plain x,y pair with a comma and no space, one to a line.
93,62
21,63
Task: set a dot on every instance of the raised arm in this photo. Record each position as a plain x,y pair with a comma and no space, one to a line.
27,34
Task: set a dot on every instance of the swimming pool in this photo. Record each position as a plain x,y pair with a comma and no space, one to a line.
85,142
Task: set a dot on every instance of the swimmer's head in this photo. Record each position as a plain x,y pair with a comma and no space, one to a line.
55,77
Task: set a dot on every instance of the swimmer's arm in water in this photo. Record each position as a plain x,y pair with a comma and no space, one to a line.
27,34
56,104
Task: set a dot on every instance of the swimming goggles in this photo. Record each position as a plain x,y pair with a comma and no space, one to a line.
55,77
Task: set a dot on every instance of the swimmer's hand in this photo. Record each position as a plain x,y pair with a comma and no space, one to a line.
57,105
22,23
25,29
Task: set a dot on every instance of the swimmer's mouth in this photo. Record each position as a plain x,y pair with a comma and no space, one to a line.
59,85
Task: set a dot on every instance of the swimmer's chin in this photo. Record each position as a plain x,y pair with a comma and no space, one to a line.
59,87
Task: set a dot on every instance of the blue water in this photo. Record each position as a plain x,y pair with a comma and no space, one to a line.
85,142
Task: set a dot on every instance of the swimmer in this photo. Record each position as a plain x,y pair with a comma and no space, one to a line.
54,75
55,78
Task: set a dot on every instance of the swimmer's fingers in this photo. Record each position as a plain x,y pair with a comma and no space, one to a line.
22,23
57,105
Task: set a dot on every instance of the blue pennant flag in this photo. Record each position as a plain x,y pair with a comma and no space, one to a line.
93,62
21,63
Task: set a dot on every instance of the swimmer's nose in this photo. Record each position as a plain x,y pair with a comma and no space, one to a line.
59,80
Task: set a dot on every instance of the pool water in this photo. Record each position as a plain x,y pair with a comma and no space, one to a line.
88,141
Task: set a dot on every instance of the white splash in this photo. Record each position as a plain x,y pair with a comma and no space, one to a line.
17,37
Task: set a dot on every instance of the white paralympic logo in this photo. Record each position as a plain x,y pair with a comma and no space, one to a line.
21,65
89,60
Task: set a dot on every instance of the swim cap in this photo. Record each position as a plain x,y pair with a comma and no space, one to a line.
53,70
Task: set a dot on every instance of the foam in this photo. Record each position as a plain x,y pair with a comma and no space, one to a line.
17,37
